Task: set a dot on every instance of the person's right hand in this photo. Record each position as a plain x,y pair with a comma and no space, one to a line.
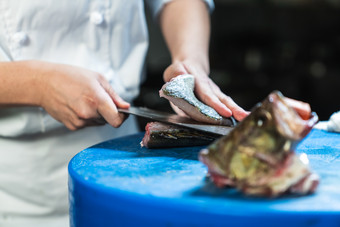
78,97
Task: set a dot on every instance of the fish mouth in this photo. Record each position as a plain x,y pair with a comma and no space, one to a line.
216,174
293,118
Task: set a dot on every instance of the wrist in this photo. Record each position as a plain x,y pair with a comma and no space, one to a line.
195,64
32,76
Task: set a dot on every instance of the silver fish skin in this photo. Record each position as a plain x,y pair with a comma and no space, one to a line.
258,156
180,91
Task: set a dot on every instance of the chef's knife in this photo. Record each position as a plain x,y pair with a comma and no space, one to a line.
179,120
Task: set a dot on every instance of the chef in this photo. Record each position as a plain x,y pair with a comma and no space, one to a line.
65,68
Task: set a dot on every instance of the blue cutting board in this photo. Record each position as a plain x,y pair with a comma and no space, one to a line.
119,183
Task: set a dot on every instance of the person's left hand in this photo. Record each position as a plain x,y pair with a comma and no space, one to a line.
205,90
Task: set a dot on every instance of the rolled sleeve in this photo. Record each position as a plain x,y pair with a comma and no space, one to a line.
157,5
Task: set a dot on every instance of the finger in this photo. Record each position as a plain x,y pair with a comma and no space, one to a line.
109,101
206,94
97,121
119,102
222,103
213,101
70,119
77,124
108,110
302,108
82,123
174,70
238,112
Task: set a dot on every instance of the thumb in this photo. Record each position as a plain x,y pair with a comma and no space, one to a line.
118,101
174,70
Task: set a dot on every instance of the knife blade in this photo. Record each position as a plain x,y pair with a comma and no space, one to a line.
176,119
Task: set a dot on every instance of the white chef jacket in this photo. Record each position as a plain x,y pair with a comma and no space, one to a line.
109,37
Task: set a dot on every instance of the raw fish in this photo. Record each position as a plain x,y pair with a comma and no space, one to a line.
257,157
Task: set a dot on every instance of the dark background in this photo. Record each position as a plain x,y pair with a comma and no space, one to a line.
260,46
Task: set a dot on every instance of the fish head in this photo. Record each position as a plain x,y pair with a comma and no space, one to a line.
274,126
286,120
260,143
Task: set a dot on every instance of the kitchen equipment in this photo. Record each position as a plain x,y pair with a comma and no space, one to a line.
179,120
119,183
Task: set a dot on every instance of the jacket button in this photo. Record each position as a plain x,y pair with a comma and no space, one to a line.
97,18
20,38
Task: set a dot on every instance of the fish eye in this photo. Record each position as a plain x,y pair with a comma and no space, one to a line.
263,118
260,121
